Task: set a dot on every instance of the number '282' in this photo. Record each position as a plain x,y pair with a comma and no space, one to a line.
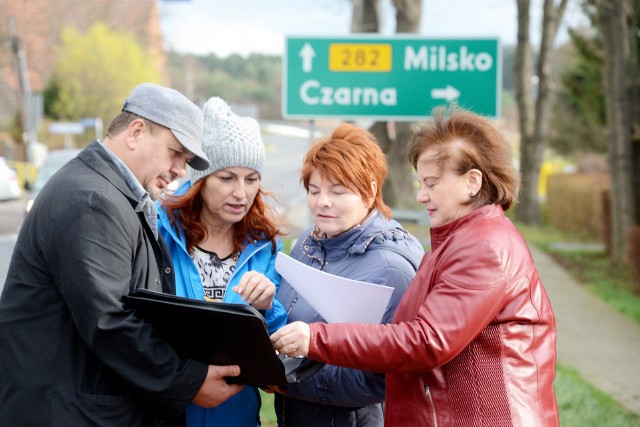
360,57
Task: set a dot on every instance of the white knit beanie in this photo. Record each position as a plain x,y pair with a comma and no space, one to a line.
229,140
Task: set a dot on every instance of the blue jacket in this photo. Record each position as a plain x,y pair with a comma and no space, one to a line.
379,251
243,409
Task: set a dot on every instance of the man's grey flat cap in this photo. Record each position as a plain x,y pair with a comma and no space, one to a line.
171,109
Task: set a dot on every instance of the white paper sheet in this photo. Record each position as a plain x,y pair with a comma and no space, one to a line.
336,299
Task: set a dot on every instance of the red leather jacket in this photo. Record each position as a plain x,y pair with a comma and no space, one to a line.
473,340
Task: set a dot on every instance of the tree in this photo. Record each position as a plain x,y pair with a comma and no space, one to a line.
579,117
365,18
534,115
254,80
618,25
95,71
601,92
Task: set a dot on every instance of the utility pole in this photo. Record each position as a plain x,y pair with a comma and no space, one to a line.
24,97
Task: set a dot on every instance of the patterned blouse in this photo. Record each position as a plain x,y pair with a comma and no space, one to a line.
215,273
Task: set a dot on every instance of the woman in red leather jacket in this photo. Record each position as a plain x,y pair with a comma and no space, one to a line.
473,341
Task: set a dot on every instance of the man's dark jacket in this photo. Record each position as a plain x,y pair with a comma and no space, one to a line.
70,353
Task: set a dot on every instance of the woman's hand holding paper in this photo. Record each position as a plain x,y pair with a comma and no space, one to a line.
292,339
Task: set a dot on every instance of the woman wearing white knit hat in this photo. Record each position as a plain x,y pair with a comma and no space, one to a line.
224,241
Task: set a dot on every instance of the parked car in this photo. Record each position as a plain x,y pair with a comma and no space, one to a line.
9,185
54,161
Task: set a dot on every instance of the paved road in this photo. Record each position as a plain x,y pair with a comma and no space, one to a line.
11,215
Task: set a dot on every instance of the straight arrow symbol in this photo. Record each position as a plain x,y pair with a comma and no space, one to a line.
307,53
449,93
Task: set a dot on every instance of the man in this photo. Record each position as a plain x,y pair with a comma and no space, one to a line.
71,354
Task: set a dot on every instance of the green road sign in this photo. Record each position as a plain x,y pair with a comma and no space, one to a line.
398,78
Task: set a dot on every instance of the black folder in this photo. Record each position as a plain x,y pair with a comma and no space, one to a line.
214,333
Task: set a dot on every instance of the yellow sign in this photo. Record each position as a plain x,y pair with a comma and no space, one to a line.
360,57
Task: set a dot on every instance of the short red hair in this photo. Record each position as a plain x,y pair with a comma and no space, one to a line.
352,157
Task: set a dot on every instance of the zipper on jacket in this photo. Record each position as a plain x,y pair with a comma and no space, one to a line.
427,391
246,260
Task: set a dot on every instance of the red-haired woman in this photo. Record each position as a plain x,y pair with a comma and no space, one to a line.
354,237
223,240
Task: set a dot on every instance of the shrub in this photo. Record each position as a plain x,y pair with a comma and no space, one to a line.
575,204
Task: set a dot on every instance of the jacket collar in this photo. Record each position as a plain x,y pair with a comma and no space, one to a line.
375,232
441,233
100,161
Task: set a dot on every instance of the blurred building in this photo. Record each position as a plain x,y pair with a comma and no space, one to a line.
38,24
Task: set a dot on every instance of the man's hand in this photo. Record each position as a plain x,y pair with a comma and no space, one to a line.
256,289
215,389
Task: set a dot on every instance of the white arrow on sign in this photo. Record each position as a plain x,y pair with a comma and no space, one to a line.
307,53
449,93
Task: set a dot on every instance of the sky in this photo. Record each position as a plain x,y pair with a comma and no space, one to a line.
224,27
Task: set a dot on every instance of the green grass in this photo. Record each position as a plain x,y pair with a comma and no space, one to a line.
579,403
591,268
267,413
610,283
582,405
